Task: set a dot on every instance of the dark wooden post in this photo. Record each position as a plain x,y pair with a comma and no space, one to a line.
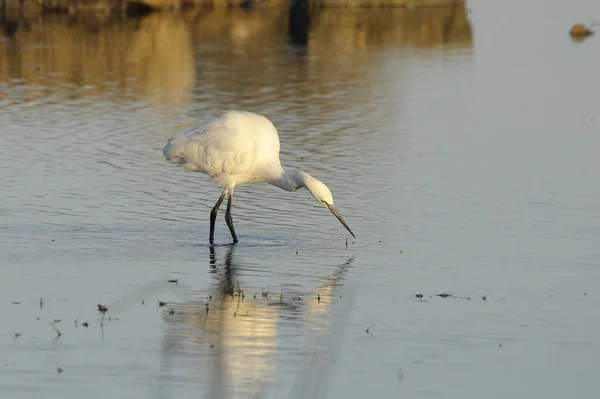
299,21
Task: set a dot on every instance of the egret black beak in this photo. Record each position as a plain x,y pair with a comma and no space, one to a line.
339,217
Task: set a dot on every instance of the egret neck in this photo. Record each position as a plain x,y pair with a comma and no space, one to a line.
291,181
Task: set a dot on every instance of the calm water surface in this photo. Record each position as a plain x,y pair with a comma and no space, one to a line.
463,150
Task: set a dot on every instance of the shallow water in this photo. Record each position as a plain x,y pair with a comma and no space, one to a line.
462,152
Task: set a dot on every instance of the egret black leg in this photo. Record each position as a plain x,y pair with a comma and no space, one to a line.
229,219
213,215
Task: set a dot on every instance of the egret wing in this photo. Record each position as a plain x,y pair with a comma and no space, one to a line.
213,148
238,147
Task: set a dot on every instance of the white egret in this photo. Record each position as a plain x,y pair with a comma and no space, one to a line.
237,148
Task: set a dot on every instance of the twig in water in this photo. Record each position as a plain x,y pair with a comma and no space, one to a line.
369,328
58,333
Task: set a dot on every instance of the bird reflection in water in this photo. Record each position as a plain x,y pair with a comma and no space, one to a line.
233,335
328,315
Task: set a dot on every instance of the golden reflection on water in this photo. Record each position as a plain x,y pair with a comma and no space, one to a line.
241,332
418,27
141,57
236,331
164,58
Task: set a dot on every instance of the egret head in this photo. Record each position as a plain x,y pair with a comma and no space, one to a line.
322,194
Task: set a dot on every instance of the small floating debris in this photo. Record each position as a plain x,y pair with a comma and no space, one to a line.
102,309
579,32
368,330
59,370
58,333
160,303
17,335
484,297
175,281
419,296
240,293
16,303
444,295
41,303
85,324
